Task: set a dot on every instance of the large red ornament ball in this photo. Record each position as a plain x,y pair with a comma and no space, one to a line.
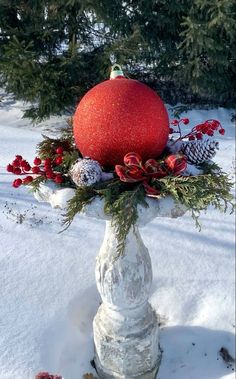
119,116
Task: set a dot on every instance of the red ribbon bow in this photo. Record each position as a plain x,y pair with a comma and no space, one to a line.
135,171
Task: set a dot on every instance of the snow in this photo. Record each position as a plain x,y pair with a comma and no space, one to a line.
47,283
57,197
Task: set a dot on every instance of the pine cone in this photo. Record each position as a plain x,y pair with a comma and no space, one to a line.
199,151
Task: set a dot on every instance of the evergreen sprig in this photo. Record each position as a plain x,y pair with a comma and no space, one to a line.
197,193
83,196
52,52
46,148
120,202
122,206
35,184
121,199
69,157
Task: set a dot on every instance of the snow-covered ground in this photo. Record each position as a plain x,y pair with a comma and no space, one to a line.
48,296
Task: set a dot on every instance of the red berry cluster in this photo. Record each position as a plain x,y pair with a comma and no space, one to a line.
46,168
209,127
46,375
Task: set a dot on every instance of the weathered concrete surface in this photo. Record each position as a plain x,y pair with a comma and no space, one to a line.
126,327
126,335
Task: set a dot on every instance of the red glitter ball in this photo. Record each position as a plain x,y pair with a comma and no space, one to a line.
119,116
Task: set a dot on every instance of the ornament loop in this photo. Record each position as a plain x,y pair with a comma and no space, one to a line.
116,71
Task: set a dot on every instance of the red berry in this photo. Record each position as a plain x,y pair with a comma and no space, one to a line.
46,375
60,150
16,163
23,162
47,162
215,124
204,129
171,130
210,133
58,160
27,180
36,170
10,168
191,138
16,170
43,375
174,122
25,165
37,161
199,136
50,174
222,131
17,183
58,179
199,127
19,157
185,121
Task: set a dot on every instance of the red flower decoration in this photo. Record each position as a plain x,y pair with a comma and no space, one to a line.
150,191
155,169
133,160
135,171
130,175
176,164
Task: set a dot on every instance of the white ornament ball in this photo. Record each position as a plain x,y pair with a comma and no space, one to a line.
86,172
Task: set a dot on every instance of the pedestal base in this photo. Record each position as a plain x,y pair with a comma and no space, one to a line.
105,375
126,347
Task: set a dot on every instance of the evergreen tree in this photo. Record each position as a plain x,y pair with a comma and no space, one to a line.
53,51
208,48
48,55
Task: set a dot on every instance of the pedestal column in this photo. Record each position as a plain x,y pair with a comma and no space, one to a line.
125,327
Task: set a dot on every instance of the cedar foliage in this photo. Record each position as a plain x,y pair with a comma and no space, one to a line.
121,200
53,51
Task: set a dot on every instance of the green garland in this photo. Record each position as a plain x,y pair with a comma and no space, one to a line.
196,193
122,206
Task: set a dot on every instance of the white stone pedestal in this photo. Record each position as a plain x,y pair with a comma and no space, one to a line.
125,327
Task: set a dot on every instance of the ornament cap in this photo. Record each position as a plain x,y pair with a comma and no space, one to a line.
116,71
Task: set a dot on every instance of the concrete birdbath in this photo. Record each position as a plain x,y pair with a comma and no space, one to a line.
126,336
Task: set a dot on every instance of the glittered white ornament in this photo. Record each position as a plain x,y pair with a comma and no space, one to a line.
86,172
